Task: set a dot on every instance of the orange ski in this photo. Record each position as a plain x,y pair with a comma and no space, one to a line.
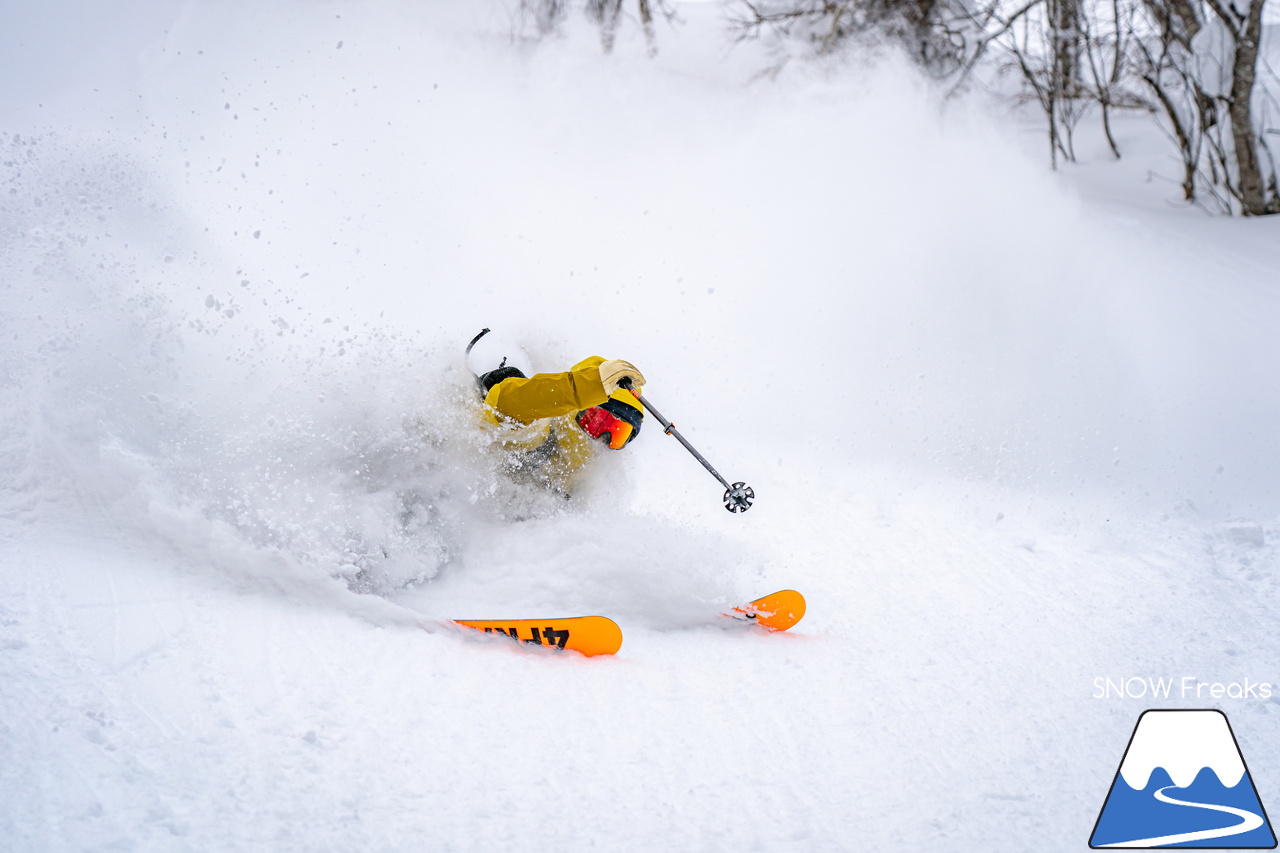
587,635
777,612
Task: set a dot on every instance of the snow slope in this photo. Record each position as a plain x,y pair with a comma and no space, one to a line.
1007,435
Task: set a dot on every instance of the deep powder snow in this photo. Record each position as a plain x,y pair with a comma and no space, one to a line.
1008,435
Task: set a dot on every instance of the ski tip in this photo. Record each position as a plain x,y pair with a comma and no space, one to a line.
587,635
775,612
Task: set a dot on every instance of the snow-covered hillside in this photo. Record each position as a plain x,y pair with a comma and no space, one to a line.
1010,432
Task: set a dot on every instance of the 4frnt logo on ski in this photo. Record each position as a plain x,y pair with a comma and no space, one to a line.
588,635
600,635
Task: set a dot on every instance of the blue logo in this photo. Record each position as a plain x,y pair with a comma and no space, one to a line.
1183,783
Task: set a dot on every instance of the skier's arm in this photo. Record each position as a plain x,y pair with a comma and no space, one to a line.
549,395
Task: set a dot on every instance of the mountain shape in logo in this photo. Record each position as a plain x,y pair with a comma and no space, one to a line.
1183,783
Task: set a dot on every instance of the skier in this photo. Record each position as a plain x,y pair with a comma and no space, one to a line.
552,424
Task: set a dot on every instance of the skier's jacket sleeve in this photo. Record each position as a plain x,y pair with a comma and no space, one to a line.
549,395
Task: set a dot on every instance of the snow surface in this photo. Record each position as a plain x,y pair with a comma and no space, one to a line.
1010,431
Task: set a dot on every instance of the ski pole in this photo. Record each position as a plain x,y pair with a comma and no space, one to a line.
737,496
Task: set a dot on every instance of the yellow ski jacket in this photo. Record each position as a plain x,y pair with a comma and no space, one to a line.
533,419
549,395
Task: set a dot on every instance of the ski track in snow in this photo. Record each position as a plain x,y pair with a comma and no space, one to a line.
241,492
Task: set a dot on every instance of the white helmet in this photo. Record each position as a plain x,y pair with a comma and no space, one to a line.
494,357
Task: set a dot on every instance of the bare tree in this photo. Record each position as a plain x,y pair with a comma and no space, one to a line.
1051,44
1066,89
1193,63
1044,40
606,13
1199,62
1046,44
932,32
540,18
1105,38
1246,32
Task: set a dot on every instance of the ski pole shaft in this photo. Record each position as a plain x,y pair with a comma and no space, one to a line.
737,496
670,429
